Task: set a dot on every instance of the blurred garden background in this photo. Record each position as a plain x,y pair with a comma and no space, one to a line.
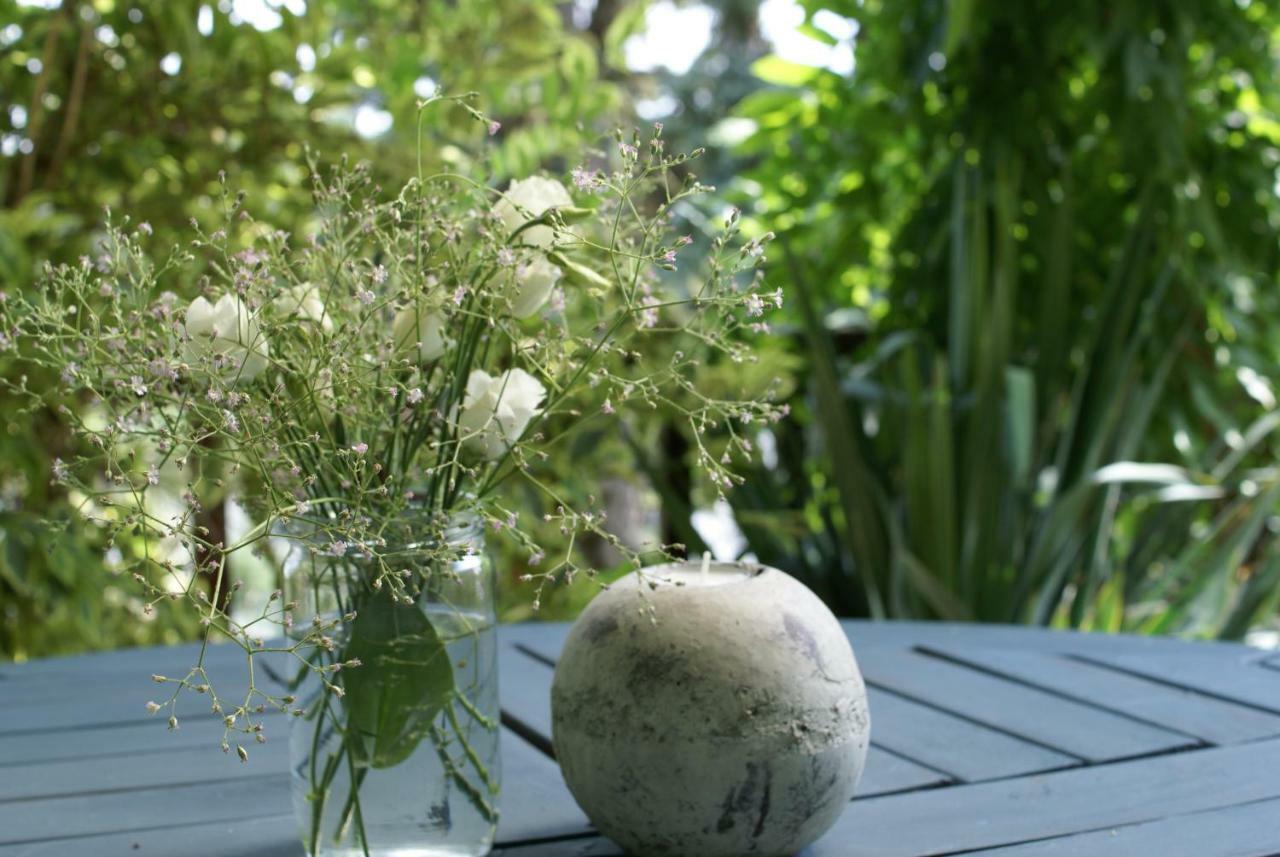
1028,253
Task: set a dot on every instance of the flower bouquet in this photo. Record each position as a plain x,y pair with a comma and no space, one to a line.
364,391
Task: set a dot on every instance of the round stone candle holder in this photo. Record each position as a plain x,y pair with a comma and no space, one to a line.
709,710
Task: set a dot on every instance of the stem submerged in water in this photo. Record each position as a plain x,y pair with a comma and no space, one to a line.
462,720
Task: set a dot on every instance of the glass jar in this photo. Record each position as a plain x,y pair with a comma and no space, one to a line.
397,752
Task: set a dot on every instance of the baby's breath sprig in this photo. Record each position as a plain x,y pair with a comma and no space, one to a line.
404,358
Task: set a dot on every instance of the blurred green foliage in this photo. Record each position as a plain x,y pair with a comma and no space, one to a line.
1049,233
1025,247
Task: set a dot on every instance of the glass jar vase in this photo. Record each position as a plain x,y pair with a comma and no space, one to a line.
397,750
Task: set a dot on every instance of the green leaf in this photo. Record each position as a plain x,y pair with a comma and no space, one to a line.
818,34
630,21
580,273
404,681
1020,404
959,20
776,70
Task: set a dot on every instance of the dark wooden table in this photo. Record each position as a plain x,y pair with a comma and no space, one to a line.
989,740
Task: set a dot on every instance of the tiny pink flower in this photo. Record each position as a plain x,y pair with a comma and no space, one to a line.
360,448
494,127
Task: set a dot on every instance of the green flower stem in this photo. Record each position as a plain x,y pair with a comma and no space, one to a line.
472,756
353,801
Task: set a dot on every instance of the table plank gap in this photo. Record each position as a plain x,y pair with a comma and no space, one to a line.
957,715
1025,712
886,755
1249,684
965,750
536,655
539,742
1203,718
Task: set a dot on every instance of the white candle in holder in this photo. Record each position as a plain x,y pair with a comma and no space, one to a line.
705,572
711,709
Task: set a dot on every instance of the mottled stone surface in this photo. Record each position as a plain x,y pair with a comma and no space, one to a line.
733,722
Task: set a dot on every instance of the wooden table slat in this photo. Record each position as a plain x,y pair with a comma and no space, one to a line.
139,790
156,767
1240,679
122,709
985,815
1213,720
965,750
116,812
270,836
91,742
1249,830
982,738
1080,730
166,660
889,773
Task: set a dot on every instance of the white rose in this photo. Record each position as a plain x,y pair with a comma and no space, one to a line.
534,283
496,411
227,336
528,199
415,327
303,300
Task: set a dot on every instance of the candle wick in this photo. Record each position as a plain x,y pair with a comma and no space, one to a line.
706,563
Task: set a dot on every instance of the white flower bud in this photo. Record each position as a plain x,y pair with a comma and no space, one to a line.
529,199
534,283
303,301
415,327
497,410
226,330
